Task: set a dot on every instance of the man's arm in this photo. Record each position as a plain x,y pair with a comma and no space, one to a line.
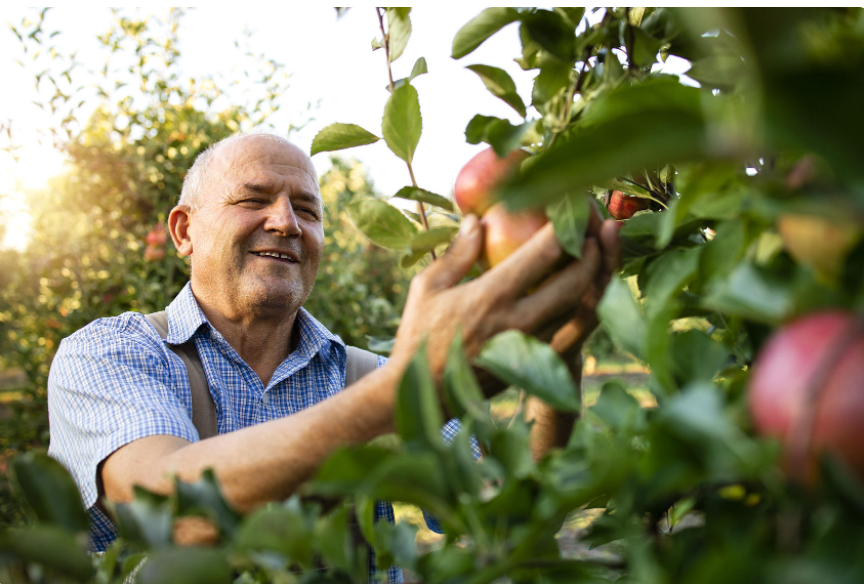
264,462
269,461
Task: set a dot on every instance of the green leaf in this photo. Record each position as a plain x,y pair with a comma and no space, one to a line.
402,123
461,391
531,51
364,508
418,413
553,77
621,316
522,360
334,540
419,69
344,471
477,129
618,409
721,71
204,497
464,473
381,223
631,127
571,15
480,28
645,47
697,412
283,529
723,253
415,477
341,136
186,565
697,357
511,447
49,491
395,545
570,217
552,33
146,520
424,196
668,275
426,241
504,137
753,293
399,30
51,546
501,85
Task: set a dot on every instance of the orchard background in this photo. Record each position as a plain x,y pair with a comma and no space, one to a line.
751,196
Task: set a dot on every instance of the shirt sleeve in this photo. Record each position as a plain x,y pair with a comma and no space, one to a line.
110,384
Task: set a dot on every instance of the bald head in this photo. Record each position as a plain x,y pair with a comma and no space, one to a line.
211,165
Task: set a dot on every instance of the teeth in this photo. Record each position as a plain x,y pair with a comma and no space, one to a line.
272,254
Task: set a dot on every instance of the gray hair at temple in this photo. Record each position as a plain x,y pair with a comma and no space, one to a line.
200,178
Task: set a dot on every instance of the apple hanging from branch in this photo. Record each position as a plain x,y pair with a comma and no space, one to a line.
807,390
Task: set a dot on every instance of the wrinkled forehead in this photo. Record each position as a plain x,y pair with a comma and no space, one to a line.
264,158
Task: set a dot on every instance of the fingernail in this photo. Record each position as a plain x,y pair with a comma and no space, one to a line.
469,224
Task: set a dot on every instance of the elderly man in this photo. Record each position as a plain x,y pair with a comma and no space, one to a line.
251,219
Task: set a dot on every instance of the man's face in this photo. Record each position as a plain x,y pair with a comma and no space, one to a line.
258,236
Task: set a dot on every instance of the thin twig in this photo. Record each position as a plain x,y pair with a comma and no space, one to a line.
385,38
421,210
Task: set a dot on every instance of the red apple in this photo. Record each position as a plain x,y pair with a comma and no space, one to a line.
506,231
478,179
783,376
157,236
623,206
154,254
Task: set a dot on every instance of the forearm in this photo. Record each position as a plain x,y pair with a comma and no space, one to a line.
269,461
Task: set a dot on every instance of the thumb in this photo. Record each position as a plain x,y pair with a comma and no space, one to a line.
463,253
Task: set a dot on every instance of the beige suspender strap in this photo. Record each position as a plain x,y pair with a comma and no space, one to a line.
203,408
359,363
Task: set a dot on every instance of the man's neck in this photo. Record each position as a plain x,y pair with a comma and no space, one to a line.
263,341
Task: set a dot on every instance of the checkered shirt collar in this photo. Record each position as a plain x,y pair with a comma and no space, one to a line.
185,317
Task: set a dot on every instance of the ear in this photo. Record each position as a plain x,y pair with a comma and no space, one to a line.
178,225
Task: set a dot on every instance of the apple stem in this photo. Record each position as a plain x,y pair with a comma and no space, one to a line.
800,443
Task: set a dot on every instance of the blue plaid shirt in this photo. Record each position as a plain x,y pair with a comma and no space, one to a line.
115,381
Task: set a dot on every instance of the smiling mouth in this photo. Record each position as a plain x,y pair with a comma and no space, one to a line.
275,256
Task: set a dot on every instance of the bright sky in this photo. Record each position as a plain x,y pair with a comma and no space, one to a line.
330,60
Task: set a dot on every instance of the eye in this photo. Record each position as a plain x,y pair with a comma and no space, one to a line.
307,211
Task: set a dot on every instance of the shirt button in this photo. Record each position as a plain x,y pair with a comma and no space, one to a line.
265,399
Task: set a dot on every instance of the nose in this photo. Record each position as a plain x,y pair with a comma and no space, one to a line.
282,220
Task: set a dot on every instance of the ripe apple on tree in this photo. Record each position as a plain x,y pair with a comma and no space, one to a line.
476,182
623,206
474,192
809,378
157,236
